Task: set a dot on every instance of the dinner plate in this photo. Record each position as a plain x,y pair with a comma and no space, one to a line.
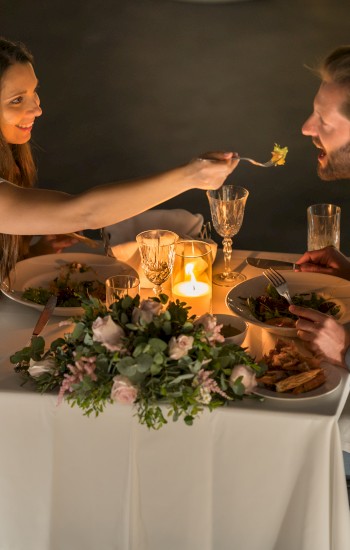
328,286
41,270
333,379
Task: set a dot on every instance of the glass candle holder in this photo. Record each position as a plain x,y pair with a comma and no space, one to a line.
191,279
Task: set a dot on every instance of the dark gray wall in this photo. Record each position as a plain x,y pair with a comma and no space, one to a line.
133,87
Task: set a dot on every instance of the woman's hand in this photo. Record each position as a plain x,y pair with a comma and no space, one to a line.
324,335
210,170
50,244
327,260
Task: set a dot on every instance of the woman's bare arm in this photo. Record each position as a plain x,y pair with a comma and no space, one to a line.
43,211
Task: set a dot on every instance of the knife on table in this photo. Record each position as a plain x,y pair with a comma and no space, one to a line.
44,316
43,319
265,263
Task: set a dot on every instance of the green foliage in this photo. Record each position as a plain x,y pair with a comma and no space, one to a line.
85,367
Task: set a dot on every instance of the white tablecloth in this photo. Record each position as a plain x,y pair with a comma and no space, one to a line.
253,476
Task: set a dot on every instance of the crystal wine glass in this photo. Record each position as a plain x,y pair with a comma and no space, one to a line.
157,250
227,210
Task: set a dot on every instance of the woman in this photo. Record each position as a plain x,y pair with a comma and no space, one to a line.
25,210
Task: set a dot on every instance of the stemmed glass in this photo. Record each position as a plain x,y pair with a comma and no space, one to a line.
227,210
157,250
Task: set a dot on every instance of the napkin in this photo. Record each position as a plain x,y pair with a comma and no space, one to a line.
178,220
123,245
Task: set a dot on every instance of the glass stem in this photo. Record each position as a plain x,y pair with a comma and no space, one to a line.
157,290
227,247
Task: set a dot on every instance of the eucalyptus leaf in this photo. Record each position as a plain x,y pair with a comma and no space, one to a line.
77,331
181,378
157,345
127,366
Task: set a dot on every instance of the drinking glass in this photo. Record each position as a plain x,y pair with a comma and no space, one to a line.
227,211
157,250
119,286
323,226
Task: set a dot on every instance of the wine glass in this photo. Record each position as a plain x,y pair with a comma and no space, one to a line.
157,250
227,210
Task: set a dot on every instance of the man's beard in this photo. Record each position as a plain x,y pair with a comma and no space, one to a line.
338,165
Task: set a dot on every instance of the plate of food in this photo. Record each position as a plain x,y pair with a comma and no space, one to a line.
293,375
67,275
258,302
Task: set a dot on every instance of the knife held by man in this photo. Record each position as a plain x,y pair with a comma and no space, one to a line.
265,263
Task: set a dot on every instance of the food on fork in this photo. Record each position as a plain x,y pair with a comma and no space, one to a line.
279,155
288,370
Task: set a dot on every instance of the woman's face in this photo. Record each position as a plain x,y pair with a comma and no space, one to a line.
19,103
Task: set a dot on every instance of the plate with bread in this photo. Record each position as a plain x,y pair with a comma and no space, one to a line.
291,374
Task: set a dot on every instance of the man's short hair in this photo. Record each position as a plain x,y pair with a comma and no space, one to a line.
336,68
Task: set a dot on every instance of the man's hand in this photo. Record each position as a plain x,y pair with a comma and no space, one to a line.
324,335
327,260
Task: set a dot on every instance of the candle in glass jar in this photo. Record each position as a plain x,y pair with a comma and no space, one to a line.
196,294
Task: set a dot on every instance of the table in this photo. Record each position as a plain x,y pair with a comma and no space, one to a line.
252,476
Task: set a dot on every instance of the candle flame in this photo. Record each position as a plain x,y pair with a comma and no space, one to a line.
189,270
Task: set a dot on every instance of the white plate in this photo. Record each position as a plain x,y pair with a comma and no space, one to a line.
333,379
41,270
326,285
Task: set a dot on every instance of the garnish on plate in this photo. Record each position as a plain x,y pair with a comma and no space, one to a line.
67,287
273,309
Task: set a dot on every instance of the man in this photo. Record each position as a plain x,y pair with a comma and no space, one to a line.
329,128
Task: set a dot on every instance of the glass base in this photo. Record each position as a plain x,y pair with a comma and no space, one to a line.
232,279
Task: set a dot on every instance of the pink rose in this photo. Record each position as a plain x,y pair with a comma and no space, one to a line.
106,331
210,327
147,310
178,347
123,391
248,377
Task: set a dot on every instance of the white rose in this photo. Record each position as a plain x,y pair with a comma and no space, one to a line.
106,331
248,377
178,347
147,310
37,368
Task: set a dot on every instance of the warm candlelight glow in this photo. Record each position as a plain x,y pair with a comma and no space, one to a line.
195,293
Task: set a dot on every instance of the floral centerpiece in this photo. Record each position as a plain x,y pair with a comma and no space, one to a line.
141,352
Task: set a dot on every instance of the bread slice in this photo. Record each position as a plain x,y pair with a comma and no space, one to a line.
311,384
296,380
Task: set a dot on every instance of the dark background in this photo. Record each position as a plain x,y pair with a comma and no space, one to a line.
134,87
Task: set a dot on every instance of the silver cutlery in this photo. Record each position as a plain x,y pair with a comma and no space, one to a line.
279,282
44,316
263,164
265,263
43,320
267,164
205,232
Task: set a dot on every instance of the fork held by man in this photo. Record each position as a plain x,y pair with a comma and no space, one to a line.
279,282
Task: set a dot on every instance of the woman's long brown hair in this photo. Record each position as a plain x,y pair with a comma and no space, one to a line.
16,161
